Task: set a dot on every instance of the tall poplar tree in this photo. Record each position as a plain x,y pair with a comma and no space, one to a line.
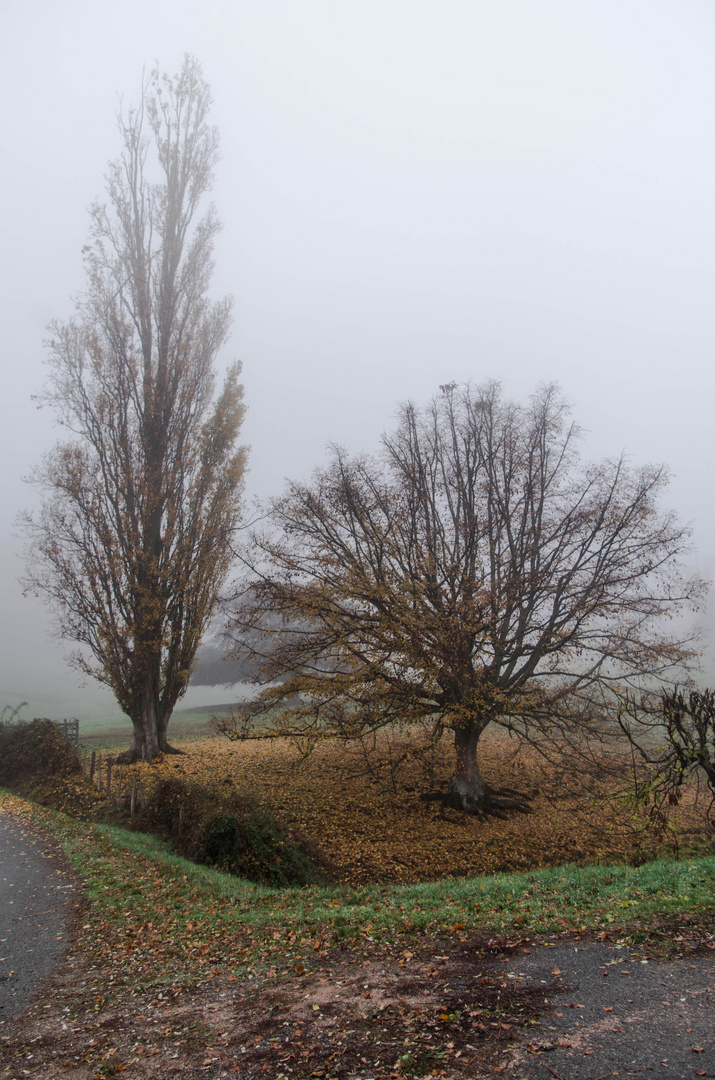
132,541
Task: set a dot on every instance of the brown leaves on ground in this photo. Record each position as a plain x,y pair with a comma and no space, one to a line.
210,985
369,833
433,1011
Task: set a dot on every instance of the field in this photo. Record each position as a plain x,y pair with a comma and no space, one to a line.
370,833
112,734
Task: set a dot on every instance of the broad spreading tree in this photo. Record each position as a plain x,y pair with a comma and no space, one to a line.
141,499
473,573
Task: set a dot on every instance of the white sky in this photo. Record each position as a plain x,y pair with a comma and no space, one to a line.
413,192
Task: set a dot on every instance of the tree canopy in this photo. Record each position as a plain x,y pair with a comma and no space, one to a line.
474,572
140,501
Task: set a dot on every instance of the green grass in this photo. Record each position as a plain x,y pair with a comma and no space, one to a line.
111,734
172,923
133,878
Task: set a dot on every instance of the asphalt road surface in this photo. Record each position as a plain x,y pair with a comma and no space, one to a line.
36,904
613,1015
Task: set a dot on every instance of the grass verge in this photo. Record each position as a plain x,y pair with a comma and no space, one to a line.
169,920
181,968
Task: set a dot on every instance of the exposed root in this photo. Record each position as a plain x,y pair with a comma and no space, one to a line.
127,757
497,802
131,756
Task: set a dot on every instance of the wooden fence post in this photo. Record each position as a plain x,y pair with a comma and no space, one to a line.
132,801
119,785
91,766
110,762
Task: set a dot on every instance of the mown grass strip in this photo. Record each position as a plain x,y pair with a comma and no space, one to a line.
169,920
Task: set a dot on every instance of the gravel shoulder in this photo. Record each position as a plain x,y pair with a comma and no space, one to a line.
37,895
571,1010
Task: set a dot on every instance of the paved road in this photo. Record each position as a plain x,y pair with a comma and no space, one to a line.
36,903
613,1015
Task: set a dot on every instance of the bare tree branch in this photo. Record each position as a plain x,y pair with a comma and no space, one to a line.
474,573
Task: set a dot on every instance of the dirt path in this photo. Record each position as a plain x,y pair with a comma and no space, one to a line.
454,1011
36,903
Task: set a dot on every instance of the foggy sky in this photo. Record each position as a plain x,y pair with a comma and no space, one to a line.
412,193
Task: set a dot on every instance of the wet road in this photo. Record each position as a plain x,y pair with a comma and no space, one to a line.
36,904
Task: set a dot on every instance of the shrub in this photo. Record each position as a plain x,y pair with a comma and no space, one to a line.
31,750
219,827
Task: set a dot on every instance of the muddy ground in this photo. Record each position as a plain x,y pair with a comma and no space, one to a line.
565,1008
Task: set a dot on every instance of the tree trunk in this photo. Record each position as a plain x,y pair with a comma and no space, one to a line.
468,790
149,735
161,726
468,784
